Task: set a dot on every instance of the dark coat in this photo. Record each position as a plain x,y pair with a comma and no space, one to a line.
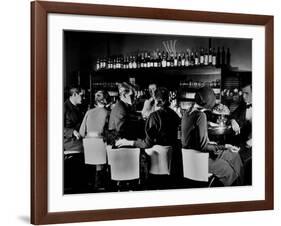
72,121
245,126
125,123
161,128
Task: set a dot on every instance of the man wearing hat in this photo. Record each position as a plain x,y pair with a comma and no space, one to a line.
223,163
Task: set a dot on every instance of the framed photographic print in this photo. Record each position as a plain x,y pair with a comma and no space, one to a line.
147,112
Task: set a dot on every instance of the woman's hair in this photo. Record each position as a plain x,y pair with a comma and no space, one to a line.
73,90
101,97
162,97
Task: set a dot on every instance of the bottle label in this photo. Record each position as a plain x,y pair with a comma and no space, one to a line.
210,59
182,62
201,59
214,59
206,58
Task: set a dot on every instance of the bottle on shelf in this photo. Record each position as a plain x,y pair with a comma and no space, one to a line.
164,60
148,60
206,57
187,59
138,59
179,60
172,60
98,64
154,59
168,60
145,60
196,59
183,60
214,57
159,59
142,60
192,59
201,61
134,62
210,58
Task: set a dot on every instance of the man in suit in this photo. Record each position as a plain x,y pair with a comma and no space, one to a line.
72,121
241,122
124,121
72,144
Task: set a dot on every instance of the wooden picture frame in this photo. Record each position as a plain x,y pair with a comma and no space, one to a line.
39,109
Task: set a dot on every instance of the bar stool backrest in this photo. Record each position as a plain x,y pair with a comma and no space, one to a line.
161,157
124,163
94,150
195,165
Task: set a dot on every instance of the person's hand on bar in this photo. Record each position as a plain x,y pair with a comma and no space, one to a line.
76,134
124,142
249,143
235,126
232,148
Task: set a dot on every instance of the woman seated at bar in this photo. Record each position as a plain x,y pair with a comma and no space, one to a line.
93,125
96,119
223,163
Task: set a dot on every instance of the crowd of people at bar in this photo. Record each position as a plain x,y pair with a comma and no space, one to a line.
120,125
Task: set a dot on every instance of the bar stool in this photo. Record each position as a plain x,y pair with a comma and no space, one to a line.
124,165
160,157
74,179
94,150
95,155
160,166
196,166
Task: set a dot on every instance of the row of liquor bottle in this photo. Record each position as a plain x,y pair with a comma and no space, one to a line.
182,84
197,84
213,57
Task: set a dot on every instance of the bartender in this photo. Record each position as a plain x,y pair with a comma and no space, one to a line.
149,104
241,123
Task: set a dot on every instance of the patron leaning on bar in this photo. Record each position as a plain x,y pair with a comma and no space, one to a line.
224,164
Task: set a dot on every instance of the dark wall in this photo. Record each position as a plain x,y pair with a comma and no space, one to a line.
83,48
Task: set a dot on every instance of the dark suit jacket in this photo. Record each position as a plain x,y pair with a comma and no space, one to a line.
245,126
72,120
124,122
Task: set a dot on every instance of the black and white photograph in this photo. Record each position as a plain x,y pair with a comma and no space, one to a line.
155,112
